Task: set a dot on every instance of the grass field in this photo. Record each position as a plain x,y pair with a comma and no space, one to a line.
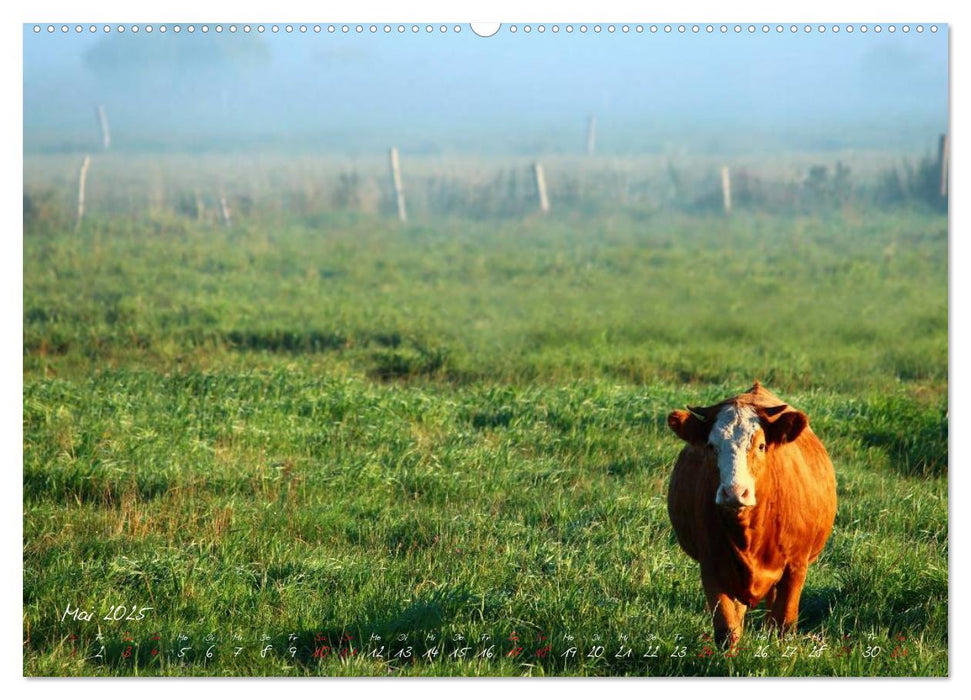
306,433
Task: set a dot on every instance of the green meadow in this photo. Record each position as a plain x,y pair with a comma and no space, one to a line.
328,443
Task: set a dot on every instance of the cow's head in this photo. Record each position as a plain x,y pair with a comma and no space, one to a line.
738,438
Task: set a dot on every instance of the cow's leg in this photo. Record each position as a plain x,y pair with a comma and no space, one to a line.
740,610
770,599
785,607
727,623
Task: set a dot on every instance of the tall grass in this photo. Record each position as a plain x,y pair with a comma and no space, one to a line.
334,429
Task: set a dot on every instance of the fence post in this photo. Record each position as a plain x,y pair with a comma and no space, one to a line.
82,178
103,123
544,202
399,193
726,190
591,134
224,210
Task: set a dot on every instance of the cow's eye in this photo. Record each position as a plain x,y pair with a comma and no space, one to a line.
761,447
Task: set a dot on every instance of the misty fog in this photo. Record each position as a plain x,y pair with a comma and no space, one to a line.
459,93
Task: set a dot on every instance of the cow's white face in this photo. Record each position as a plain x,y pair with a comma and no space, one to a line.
735,438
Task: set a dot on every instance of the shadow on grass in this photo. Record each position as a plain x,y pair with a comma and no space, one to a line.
76,485
413,629
912,433
815,608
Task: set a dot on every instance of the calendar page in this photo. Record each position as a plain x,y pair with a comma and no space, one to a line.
517,349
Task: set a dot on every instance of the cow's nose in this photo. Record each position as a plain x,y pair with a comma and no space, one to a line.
736,496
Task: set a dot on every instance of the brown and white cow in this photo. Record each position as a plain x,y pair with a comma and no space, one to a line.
752,499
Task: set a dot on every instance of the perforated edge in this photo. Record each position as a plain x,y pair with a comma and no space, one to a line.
439,29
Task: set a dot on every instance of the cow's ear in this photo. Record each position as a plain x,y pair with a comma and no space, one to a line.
689,427
785,427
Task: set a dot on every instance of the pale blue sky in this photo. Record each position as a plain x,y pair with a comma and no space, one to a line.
462,92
